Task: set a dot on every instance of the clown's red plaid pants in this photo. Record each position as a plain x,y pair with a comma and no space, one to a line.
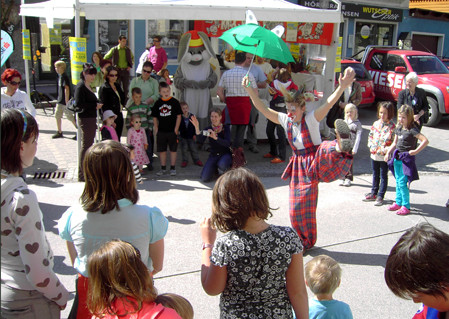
307,168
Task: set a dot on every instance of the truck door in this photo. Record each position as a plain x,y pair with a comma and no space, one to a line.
394,82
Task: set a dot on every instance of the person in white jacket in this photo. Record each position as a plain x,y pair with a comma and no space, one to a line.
29,284
12,97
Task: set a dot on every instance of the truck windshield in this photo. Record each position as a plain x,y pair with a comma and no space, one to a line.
361,73
427,65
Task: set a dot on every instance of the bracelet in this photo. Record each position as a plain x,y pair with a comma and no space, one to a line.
204,246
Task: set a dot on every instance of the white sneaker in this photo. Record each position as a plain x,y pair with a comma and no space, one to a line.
347,183
342,182
172,172
162,172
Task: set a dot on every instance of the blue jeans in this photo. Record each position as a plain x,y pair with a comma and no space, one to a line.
214,162
188,145
402,191
380,173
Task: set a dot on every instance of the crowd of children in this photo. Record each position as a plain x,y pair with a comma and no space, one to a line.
115,276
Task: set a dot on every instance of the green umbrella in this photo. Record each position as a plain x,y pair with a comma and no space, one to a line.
257,40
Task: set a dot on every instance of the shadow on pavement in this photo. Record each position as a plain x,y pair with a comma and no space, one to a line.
434,211
61,268
52,213
182,221
351,258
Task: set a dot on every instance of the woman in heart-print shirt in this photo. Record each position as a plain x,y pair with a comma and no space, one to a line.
29,284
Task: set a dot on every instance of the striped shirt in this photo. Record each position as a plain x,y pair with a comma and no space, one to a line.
144,111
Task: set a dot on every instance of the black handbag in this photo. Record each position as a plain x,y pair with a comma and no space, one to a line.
71,106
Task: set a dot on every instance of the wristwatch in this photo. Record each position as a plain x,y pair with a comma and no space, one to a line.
204,246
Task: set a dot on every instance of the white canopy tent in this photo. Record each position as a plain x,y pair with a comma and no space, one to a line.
264,10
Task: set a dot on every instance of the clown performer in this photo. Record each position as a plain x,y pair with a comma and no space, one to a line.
313,161
195,77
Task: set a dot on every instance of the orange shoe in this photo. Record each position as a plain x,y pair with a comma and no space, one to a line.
277,160
268,155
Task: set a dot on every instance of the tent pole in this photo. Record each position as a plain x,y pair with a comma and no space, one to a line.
77,19
27,70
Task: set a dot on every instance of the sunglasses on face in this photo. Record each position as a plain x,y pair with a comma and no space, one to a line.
14,82
113,75
146,71
156,41
137,122
91,71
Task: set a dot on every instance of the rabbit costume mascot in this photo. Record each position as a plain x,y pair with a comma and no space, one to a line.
195,77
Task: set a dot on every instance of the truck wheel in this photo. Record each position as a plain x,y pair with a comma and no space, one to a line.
434,114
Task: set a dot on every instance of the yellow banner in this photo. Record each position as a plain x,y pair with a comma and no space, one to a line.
338,56
78,56
26,44
56,34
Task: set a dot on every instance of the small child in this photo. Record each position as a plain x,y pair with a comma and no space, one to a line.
380,138
107,130
277,103
132,156
417,269
401,162
323,276
355,127
144,110
180,304
138,139
187,137
120,285
165,76
167,119
255,277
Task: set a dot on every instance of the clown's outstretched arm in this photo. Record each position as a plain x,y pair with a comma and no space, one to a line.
254,95
344,82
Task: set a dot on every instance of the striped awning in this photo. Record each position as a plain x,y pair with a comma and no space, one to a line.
431,5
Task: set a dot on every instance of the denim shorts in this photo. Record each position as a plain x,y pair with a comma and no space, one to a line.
26,304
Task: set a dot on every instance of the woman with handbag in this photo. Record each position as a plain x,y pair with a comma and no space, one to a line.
219,134
86,104
113,97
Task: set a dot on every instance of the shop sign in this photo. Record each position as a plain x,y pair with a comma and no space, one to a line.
78,56
7,46
314,33
360,11
26,44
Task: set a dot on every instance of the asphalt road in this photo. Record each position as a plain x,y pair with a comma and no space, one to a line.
357,234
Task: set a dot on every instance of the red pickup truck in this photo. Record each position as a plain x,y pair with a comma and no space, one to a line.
388,67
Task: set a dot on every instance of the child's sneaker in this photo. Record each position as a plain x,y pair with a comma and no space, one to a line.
343,134
394,207
184,164
347,182
379,201
162,172
172,172
370,197
341,183
199,163
403,211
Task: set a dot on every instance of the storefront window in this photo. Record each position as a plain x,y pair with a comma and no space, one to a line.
108,33
170,31
372,34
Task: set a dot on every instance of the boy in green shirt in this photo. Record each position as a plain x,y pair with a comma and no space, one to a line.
144,110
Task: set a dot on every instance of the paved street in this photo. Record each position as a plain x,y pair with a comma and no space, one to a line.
357,234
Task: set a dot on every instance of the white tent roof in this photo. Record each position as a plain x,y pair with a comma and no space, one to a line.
264,10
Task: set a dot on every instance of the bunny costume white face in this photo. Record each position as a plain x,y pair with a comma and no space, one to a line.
194,77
